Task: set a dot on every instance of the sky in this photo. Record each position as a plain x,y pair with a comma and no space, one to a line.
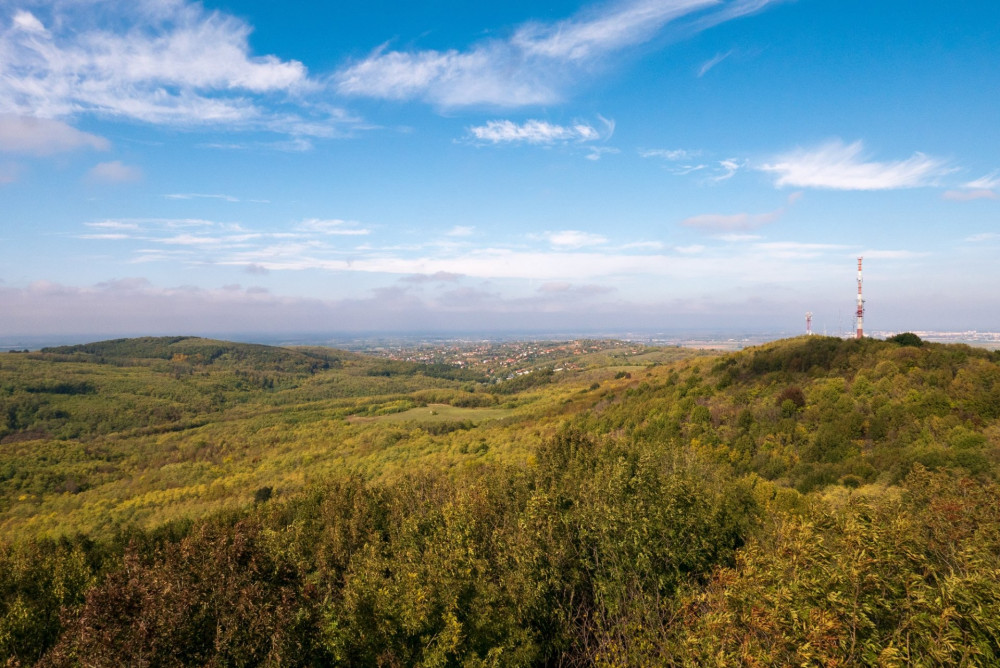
177,167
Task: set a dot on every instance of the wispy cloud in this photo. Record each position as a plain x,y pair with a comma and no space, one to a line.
333,227
536,63
968,195
840,166
460,231
114,225
988,182
681,162
728,169
113,172
106,236
668,154
572,257
574,239
595,152
40,136
984,236
224,198
982,188
538,132
712,62
735,238
158,61
735,222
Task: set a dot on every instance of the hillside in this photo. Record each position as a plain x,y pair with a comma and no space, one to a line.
184,501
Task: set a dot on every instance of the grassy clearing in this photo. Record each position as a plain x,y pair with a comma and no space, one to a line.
439,413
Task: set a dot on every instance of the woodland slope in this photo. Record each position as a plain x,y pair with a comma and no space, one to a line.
812,501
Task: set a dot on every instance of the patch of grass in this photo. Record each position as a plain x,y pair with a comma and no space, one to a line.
439,413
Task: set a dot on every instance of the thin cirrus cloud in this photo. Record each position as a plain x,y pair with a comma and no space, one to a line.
538,132
534,64
680,162
671,155
572,239
839,166
221,197
982,188
333,227
558,258
712,62
172,63
737,222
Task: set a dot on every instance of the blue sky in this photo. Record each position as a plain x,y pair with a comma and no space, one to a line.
177,167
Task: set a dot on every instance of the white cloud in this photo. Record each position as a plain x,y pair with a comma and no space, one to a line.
460,231
984,236
728,168
840,166
190,240
333,227
159,61
735,221
982,188
27,22
988,182
535,63
668,154
106,236
571,256
40,136
595,152
574,239
113,172
533,132
712,62
114,225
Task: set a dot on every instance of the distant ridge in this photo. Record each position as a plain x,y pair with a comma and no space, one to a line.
197,350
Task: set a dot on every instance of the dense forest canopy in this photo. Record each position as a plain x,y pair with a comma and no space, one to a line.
183,501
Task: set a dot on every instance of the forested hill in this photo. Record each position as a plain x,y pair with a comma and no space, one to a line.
816,410
198,351
812,501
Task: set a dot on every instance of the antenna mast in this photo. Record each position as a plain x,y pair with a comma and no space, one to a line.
809,323
861,306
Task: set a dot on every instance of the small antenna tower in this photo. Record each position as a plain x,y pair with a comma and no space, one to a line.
861,307
809,323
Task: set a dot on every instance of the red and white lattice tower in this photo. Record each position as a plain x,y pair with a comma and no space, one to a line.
861,306
809,323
